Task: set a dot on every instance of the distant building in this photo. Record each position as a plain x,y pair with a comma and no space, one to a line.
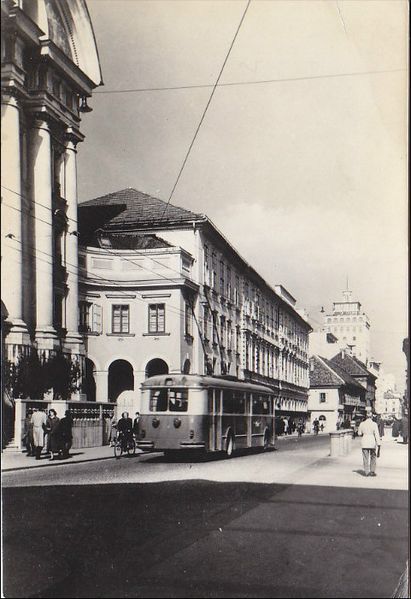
162,290
392,405
334,395
323,344
351,326
358,371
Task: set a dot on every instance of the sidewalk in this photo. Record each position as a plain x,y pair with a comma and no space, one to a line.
20,461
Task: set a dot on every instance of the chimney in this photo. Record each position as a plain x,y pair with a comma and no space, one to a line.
312,365
343,353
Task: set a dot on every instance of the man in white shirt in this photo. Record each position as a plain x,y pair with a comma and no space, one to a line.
370,440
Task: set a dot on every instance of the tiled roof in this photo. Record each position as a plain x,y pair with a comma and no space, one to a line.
321,376
348,379
351,364
140,211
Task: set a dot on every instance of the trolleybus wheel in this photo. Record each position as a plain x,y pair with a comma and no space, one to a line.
230,445
118,450
266,443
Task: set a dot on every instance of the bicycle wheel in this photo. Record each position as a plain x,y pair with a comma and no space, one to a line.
118,450
131,447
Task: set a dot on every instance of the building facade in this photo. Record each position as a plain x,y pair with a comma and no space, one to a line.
358,371
350,324
189,304
334,395
50,67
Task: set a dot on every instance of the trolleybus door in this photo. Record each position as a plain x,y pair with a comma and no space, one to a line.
249,409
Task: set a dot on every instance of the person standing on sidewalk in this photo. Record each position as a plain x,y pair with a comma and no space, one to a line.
370,440
39,419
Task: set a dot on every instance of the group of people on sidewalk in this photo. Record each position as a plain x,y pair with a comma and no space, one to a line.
287,426
47,430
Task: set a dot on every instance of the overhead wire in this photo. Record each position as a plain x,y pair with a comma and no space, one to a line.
239,83
205,109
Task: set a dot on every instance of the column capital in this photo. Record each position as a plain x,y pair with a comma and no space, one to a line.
40,120
10,96
72,138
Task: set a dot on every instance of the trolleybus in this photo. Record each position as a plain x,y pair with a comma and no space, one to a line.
188,412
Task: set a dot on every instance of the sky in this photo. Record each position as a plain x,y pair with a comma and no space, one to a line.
304,172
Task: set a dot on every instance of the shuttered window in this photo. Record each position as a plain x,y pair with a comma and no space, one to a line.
156,318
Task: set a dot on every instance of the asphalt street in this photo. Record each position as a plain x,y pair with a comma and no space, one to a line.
96,530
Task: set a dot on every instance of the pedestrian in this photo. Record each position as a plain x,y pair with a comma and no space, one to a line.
300,427
395,428
53,430
39,420
370,442
28,433
113,431
404,429
136,424
380,424
285,421
290,426
316,426
66,433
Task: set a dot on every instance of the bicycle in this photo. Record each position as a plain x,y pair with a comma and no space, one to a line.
122,445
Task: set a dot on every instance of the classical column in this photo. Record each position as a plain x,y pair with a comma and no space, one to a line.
73,336
11,222
41,188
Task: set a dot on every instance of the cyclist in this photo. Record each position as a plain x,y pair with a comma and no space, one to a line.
125,430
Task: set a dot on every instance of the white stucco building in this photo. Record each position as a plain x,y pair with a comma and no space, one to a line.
163,290
50,67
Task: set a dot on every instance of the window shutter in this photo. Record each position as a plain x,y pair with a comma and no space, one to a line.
97,316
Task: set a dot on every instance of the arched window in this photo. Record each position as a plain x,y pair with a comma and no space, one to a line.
156,366
89,384
120,378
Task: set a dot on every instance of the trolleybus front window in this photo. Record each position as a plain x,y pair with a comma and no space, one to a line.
171,400
158,400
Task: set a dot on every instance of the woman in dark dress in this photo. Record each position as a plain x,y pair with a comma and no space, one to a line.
66,433
53,426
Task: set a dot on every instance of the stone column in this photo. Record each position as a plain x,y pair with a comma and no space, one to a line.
12,219
73,338
101,378
41,187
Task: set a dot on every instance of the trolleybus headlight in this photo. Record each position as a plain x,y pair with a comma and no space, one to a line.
191,434
177,422
156,422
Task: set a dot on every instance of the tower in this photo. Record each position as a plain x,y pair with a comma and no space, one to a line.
350,325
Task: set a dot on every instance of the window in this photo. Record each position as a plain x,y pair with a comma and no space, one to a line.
237,291
237,339
214,271
215,325
84,316
156,318
188,316
222,277
169,400
233,402
323,397
120,322
206,325
261,405
222,331
229,289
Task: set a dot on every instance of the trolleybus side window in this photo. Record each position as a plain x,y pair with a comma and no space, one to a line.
261,404
228,402
239,402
